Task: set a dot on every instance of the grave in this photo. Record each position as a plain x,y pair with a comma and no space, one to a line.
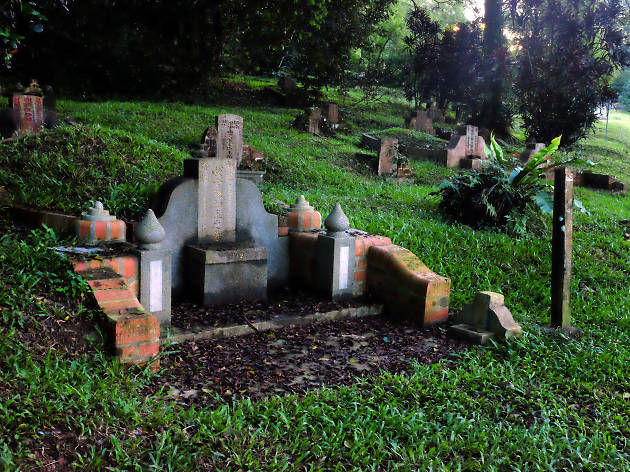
422,122
435,114
333,115
462,148
209,239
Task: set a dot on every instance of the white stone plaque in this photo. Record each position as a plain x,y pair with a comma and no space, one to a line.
155,286
344,257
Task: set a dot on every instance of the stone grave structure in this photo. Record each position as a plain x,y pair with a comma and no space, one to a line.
485,318
435,114
462,150
333,115
314,120
422,122
209,237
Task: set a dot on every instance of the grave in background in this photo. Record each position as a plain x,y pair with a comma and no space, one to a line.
422,122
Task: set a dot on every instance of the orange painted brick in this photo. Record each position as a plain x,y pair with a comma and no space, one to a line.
129,266
108,284
360,276
283,231
307,220
293,220
80,266
134,287
141,350
114,307
108,295
100,229
317,220
84,228
113,264
137,329
359,247
362,263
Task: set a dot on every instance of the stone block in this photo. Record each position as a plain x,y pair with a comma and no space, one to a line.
155,283
407,286
226,273
303,259
387,155
485,318
335,266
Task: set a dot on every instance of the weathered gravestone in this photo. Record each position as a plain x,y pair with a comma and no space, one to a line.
470,146
224,245
333,115
435,113
423,123
314,120
230,137
28,110
387,156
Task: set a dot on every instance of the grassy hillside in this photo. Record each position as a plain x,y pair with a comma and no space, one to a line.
544,402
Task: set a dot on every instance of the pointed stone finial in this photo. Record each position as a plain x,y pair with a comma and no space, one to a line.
337,222
150,233
300,205
97,213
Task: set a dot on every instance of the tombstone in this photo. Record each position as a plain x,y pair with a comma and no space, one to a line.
435,113
561,249
224,245
461,147
387,155
230,138
423,123
314,120
287,84
333,115
472,133
28,113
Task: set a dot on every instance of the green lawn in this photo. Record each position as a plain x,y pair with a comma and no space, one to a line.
544,402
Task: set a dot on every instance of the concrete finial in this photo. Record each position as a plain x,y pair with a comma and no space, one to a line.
337,221
149,232
300,205
97,213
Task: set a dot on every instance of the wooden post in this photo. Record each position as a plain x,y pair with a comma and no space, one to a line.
562,248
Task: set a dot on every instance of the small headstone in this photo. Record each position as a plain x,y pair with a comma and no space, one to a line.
287,84
230,137
387,155
423,123
435,113
28,110
314,120
472,132
333,113
561,249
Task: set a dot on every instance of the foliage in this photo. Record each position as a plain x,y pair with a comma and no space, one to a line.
503,191
568,52
138,48
443,63
18,17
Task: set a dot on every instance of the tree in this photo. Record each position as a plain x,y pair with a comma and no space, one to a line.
568,51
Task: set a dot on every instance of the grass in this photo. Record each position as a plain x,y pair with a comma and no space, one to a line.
544,402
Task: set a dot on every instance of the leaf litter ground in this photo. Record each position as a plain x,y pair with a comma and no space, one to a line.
296,359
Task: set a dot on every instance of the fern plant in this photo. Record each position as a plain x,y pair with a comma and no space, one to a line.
503,192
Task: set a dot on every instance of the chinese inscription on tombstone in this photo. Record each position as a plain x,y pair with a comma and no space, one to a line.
472,132
28,113
230,137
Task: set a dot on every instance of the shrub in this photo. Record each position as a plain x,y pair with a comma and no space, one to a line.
502,193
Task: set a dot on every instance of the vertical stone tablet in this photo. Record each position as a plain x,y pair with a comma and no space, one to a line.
472,132
561,249
28,113
230,137
216,198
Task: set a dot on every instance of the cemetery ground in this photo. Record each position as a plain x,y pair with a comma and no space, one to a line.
542,402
